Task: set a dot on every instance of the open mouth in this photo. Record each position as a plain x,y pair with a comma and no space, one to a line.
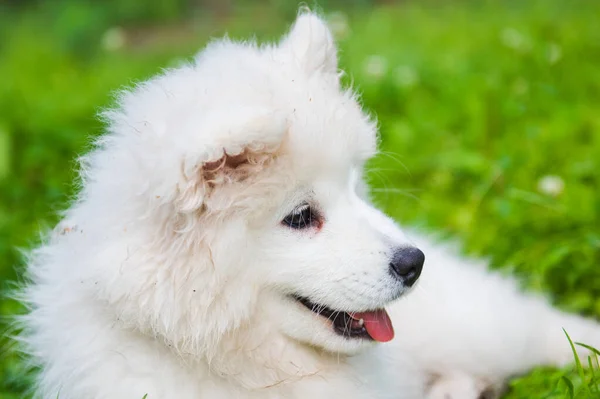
373,325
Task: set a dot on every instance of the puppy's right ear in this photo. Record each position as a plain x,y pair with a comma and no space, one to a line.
237,150
311,43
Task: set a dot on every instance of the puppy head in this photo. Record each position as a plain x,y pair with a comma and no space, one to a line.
228,197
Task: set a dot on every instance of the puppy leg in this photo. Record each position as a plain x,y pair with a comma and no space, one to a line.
458,385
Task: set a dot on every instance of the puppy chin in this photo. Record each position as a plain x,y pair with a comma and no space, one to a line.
303,326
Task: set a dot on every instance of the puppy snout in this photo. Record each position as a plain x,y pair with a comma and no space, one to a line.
406,264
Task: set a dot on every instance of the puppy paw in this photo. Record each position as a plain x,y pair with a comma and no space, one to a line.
461,386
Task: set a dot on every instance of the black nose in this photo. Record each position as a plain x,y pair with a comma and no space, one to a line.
406,264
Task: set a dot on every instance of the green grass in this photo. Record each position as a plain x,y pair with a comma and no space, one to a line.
491,109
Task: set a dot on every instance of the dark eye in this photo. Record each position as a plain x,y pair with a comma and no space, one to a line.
300,218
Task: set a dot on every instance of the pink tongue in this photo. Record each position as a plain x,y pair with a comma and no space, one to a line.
377,324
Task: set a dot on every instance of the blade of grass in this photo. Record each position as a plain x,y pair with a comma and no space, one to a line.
578,365
590,348
593,382
569,385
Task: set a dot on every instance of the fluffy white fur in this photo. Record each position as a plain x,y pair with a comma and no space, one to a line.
170,275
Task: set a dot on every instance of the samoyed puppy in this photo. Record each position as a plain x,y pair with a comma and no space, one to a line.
223,246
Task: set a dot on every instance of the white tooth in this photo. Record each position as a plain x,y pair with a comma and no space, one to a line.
361,322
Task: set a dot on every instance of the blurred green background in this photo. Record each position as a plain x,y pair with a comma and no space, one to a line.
489,114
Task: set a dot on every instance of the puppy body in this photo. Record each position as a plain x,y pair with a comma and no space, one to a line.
174,276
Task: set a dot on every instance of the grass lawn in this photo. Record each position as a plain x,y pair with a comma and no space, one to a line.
489,115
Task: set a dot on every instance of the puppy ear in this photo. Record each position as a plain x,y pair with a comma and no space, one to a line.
311,43
239,151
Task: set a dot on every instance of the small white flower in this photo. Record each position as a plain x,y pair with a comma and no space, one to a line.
515,40
113,39
338,22
406,76
376,66
551,185
554,53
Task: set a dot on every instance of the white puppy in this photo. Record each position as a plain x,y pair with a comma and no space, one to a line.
222,246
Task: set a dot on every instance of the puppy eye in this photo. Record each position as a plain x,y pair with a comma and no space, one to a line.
301,218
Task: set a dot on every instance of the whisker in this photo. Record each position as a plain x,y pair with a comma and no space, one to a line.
401,191
395,157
